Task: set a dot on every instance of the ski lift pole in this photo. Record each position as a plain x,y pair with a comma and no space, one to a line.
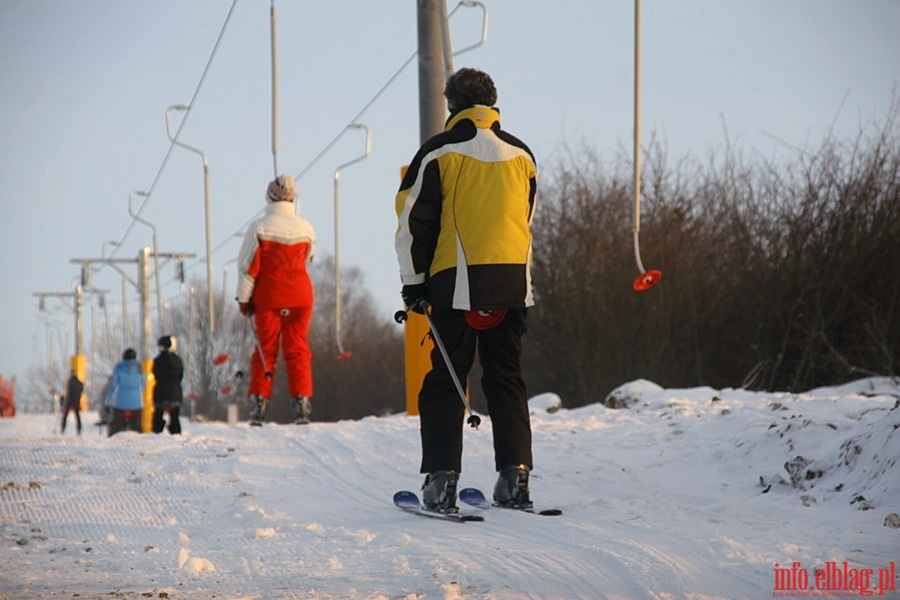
647,278
343,354
274,35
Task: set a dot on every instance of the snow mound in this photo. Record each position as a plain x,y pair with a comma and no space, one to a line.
629,394
547,402
835,450
191,565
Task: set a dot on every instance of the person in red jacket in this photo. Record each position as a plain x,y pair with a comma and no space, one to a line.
274,289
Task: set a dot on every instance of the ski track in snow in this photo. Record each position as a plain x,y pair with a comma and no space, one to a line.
662,501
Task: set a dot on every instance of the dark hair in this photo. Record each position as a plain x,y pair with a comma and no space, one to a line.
468,87
129,354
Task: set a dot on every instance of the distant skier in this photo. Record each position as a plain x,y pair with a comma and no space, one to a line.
275,290
72,401
168,370
125,396
464,244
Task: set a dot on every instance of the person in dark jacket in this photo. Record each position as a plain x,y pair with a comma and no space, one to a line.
168,369
125,395
72,401
463,243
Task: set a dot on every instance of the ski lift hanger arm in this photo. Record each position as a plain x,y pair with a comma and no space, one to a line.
484,24
342,353
646,279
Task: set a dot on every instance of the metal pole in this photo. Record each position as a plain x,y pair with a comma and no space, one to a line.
159,303
646,279
446,43
109,349
337,252
190,358
637,120
274,90
209,250
144,292
126,324
208,210
432,106
79,324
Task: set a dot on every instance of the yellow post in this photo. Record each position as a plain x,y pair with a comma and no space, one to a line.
417,351
147,415
79,367
418,346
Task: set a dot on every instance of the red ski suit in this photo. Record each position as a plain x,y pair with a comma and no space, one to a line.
274,280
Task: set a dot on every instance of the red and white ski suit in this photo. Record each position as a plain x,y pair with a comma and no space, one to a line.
274,280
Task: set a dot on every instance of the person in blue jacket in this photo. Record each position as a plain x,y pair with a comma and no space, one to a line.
125,396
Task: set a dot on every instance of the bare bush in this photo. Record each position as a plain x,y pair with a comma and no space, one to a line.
776,276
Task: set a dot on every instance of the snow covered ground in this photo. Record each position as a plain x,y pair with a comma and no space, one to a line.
696,493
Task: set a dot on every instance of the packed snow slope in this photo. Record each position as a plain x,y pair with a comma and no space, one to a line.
695,493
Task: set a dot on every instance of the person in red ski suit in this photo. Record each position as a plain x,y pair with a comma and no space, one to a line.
274,290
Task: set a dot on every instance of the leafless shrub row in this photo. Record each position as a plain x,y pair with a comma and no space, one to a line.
776,276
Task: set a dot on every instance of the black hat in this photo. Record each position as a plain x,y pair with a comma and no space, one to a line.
165,342
468,87
129,354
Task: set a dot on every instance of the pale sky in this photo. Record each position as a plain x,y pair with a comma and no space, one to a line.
85,88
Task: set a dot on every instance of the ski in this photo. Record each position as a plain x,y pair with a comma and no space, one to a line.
476,499
409,502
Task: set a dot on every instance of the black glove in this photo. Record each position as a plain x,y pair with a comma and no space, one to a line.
412,294
247,309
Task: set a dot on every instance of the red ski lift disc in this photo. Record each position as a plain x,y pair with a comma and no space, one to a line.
484,319
218,360
647,279
344,355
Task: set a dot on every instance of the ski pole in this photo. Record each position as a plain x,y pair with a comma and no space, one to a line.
259,349
240,373
646,279
400,316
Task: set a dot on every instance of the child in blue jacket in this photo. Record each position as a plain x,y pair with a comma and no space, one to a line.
125,396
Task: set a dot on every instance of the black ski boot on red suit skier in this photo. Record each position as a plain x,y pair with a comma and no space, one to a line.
302,409
511,489
257,410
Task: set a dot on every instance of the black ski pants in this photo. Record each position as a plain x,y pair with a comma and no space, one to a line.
442,413
159,422
65,417
125,420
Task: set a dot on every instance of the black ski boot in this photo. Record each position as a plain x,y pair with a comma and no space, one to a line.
302,410
257,410
439,491
511,489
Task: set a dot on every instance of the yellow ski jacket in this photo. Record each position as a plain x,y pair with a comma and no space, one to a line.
464,214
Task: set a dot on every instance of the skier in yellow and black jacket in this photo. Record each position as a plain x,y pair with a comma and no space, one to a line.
464,244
